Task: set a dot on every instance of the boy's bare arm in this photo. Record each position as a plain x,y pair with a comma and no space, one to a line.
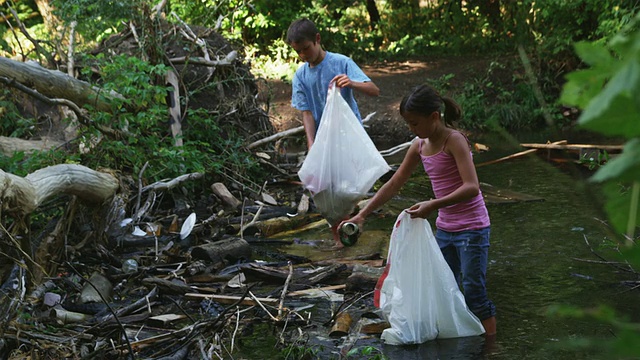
309,127
367,87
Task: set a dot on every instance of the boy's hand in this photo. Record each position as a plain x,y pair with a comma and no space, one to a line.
341,81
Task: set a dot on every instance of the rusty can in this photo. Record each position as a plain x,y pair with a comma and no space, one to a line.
349,233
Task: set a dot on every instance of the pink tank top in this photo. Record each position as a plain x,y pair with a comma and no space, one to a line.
445,178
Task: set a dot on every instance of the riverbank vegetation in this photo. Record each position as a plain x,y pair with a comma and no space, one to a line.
532,40
164,89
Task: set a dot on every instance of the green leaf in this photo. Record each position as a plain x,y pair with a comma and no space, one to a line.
626,343
615,110
582,86
632,255
618,205
594,54
624,167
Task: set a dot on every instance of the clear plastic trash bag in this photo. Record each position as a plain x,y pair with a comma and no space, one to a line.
417,292
343,163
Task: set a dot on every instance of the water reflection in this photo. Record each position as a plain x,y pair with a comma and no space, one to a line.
466,348
535,262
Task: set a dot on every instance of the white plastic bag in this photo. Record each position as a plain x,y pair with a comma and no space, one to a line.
418,293
343,163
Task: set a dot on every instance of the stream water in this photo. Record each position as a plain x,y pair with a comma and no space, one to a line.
539,257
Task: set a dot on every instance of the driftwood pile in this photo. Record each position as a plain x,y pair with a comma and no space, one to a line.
130,270
171,282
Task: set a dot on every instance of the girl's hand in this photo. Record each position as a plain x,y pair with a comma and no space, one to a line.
421,209
357,219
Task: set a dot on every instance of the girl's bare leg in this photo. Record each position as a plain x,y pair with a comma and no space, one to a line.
489,326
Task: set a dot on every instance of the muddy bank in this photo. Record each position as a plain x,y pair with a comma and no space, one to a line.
395,79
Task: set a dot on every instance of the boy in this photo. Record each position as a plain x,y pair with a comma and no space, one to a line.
321,68
312,79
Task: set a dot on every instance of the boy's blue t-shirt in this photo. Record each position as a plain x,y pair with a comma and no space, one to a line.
311,84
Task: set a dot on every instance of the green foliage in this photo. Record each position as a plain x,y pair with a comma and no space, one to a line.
258,23
594,163
96,20
607,91
487,103
27,12
624,345
20,164
207,148
12,124
366,352
280,63
297,352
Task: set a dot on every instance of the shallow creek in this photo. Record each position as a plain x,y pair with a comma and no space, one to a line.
537,258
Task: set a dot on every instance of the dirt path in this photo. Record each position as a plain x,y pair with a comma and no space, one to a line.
394,79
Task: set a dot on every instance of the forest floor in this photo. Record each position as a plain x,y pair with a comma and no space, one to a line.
395,79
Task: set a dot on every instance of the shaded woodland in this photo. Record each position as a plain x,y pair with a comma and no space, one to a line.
142,173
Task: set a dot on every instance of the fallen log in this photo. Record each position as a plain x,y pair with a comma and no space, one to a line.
374,326
289,132
554,146
360,283
221,191
517,155
273,226
11,145
363,278
54,83
223,252
23,195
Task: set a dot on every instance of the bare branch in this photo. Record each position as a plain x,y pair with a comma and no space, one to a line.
227,60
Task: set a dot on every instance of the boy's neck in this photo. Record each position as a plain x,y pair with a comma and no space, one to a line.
321,56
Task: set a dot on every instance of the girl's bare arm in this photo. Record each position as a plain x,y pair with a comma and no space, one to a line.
391,187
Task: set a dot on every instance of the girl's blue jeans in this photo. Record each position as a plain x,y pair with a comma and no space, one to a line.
467,254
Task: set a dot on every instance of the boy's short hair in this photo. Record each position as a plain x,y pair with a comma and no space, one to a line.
301,30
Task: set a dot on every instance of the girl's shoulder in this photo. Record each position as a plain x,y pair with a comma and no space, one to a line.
457,139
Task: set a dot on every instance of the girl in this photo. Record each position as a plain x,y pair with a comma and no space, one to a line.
462,224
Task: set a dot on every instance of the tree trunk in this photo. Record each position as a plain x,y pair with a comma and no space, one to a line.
374,14
48,18
56,84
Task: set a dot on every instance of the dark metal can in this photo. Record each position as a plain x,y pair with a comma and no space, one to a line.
349,233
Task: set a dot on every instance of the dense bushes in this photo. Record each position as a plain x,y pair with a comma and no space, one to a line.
365,30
